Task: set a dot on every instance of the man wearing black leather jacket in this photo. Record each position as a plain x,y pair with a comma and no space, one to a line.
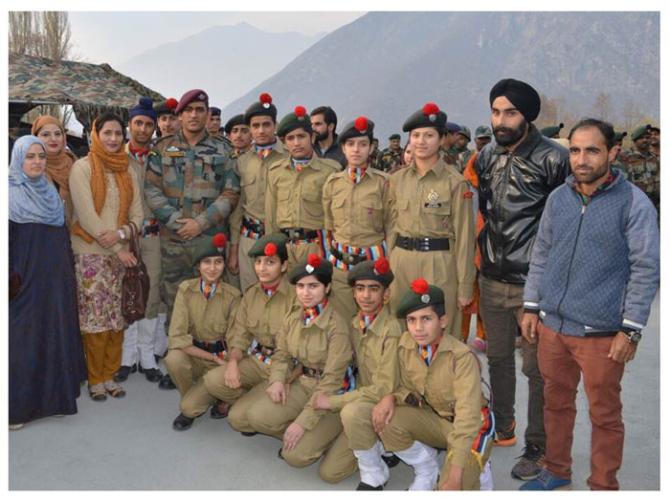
516,175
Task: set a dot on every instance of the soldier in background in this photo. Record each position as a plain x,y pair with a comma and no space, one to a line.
553,132
189,190
324,123
374,153
238,134
246,222
214,121
391,157
449,155
618,162
655,140
483,137
644,165
463,137
167,121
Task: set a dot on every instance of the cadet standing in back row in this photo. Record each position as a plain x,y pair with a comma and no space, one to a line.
356,209
294,189
433,220
246,222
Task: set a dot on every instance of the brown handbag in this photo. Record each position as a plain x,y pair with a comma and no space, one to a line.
135,285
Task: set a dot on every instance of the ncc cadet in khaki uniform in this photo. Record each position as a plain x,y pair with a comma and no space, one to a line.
190,191
356,210
295,187
246,222
144,339
239,134
252,339
439,402
317,337
203,313
376,333
433,219
167,120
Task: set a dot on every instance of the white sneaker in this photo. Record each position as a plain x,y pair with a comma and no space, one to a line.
15,427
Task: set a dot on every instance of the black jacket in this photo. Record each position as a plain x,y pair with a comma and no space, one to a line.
334,152
513,189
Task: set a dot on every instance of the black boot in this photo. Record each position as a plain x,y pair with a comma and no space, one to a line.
182,423
390,459
166,383
364,487
123,372
153,375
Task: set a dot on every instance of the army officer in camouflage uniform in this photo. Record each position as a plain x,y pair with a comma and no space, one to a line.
190,191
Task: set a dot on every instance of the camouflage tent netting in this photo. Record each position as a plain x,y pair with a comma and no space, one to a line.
91,89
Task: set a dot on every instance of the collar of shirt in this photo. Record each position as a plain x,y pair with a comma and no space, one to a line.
299,164
611,177
270,290
309,314
366,320
356,173
427,352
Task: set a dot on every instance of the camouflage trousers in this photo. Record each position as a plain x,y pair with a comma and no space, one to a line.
177,261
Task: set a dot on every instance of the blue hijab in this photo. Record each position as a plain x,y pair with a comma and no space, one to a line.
32,200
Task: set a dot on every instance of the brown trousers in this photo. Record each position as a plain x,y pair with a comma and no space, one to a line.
562,359
103,355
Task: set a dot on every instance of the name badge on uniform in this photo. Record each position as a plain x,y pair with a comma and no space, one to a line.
432,201
173,151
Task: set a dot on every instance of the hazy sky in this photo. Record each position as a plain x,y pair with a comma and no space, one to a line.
115,37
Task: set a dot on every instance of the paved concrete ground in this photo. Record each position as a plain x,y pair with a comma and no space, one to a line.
129,444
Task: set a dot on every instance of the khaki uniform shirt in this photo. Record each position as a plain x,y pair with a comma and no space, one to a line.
450,386
258,316
195,317
436,205
293,199
323,345
357,213
185,181
377,360
253,173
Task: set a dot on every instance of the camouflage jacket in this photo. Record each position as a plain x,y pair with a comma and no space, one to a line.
387,159
643,170
191,182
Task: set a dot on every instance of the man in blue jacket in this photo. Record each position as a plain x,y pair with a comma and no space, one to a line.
593,275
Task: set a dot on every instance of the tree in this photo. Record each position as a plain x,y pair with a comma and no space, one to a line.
602,108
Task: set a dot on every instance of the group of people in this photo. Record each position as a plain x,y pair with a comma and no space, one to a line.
313,297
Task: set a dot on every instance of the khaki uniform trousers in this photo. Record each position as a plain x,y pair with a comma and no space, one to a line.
272,419
411,424
298,252
343,296
438,268
185,370
247,272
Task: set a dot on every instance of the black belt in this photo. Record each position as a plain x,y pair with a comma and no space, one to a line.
213,347
300,234
351,259
258,228
422,243
420,402
312,372
600,334
263,349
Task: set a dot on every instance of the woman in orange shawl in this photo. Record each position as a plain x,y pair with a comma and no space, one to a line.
106,197
59,159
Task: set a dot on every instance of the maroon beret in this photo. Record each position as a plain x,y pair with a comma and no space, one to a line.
189,97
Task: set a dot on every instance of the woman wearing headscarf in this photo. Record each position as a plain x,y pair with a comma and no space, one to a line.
59,159
106,197
46,359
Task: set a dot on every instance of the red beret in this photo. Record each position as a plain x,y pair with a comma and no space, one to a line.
189,97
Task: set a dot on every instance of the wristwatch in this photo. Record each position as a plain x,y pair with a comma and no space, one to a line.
122,234
633,335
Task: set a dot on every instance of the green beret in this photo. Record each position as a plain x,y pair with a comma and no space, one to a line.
551,131
420,295
314,265
263,106
297,119
234,121
215,246
428,116
394,136
619,136
483,132
260,247
358,128
639,132
653,128
378,270
465,131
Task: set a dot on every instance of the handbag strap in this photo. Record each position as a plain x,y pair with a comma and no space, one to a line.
134,240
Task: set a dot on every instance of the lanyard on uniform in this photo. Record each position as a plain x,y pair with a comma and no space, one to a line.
311,313
365,320
427,352
207,289
356,174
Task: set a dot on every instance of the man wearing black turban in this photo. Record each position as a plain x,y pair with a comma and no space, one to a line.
516,175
